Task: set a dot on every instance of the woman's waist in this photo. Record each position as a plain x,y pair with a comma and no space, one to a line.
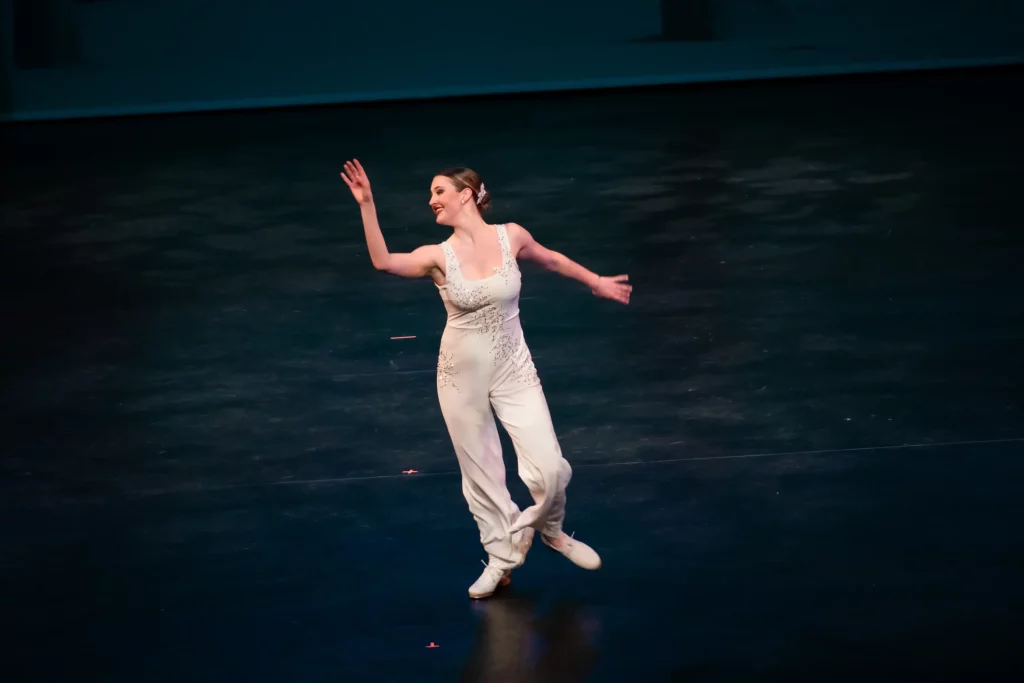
484,321
481,337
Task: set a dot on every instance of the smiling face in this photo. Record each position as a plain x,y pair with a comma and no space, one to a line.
447,202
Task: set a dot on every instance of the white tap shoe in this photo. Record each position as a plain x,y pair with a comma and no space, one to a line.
578,552
493,578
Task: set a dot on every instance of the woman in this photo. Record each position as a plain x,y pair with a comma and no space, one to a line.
484,363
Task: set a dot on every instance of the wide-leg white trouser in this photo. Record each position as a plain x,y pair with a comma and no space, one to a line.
523,412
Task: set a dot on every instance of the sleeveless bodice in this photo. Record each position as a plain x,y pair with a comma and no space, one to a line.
483,304
483,329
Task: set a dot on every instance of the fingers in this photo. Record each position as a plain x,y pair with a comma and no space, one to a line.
355,174
624,292
622,283
620,295
355,171
616,288
346,179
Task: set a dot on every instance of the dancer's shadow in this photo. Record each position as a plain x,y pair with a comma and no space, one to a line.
516,644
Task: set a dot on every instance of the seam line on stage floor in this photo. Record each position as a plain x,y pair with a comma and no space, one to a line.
823,451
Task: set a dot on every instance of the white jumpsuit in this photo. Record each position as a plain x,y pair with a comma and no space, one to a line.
483,363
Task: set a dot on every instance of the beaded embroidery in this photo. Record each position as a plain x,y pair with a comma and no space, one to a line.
446,370
504,349
485,306
526,372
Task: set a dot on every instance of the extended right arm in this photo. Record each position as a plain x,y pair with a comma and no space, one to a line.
419,263
426,260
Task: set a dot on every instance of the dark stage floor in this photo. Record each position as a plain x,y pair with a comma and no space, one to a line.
798,451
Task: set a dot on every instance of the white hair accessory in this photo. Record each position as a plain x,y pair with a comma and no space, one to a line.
480,195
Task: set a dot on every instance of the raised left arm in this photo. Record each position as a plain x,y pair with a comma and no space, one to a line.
526,248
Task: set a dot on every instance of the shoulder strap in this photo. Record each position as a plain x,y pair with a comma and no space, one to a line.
451,263
506,246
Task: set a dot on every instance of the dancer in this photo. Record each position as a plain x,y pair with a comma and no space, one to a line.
484,363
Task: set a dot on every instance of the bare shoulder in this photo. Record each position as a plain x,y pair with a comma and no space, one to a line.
432,257
514,229
518,236
433,254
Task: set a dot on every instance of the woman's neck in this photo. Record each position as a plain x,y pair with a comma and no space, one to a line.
469,229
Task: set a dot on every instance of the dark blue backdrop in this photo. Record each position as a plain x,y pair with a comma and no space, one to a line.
95,57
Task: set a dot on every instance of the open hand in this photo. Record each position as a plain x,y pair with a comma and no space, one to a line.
616,288
355,177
